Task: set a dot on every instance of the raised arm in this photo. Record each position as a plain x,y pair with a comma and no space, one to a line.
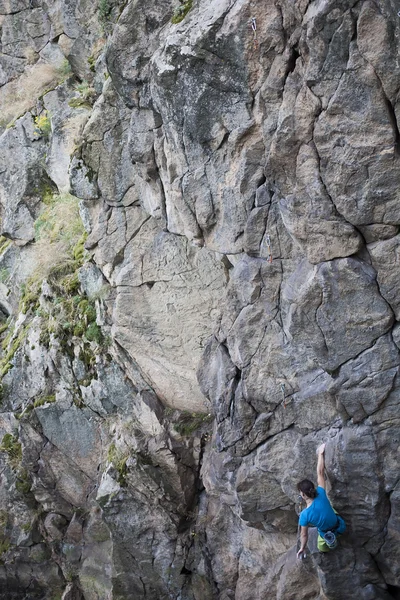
321,466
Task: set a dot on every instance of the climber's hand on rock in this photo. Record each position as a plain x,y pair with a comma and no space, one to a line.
300,554
321,449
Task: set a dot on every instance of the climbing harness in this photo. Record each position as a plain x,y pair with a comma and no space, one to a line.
268,240
254,28
283,396
330,539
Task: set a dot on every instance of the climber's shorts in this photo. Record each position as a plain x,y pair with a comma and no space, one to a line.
322,545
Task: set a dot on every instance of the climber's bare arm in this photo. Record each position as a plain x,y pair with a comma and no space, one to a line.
321,466
303,540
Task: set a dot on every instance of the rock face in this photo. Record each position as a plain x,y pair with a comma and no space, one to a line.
232,169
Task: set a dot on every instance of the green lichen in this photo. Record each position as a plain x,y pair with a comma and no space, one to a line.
10,346
12,447
47,193
78,400
181,11
104,8
4,275
79,329
118,460
87,309
3,520
5,369
5,343
4,545
23,483
44,338
4,244
30,295
4,327
27,410
64,70
92,63
87,356
188,423
79,103
93,333
42,400
86,96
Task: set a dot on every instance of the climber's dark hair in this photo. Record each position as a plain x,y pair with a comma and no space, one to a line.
307,487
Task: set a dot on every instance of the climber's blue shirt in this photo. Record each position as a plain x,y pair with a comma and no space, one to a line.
319,514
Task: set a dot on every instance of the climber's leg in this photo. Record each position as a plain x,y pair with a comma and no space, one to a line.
322,545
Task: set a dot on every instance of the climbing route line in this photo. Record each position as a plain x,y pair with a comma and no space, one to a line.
254,28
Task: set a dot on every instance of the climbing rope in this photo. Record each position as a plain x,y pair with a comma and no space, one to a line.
268,240
283,395
254,28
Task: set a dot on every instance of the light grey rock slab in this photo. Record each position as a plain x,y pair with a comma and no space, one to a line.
345,312
273,510
59,484
333,566
107,132
385,259
365,382
361,501
360,199
375,30
181,175
311,217
22,179
54,525
77,437
92,280
82,181
67,126
388,556
386,425
153,317
377,231
25,31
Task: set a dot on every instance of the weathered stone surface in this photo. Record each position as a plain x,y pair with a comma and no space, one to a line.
231,173
364,383
67,127
262,500
72,593
175,302
359,198
385,259
33,29
336,308
22,179
388,551
310,216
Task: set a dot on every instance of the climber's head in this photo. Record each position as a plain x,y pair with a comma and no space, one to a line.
307,489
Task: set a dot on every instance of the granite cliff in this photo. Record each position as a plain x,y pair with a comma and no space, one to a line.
199,283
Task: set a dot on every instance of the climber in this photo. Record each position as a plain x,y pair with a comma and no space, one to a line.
319,512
